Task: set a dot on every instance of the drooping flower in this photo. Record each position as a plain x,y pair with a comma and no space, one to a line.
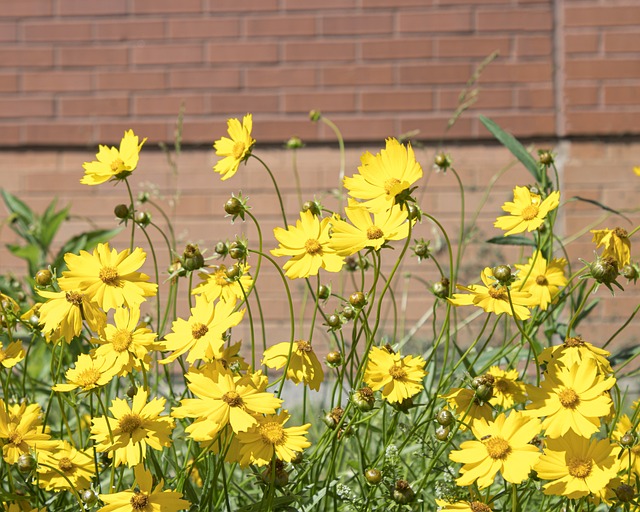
398,377
65,468
576,466
216,285
508,389
527,211
236,149
616,243
202,335
571,398
21,431
501,446
64,311
12,355
132,429
144,497
304,365
108,277
112,162
575,350
383,177
269,437
462,506
89,373
543,281
308,244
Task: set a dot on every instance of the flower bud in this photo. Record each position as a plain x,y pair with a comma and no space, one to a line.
294,143
625,493
333,417
442,161
315,116
348,312
26,463
441,288
442,433
402,493
43,277
403,406
484,392
373,476
324,292
546,158
631,272
334,358
421,249
502,273
363,399
121,211
176,269
334,321
312,206
238,250
445,418
233,273
604,270
143,197
143,219
90,497
279,477
192,258
221,249
131,391
233,206
628,440
358,300
297,458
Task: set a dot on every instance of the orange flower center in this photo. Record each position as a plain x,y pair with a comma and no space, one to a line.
88,378
621,233
121,340
390,185
117,165
220,276
542,280
74,298
303,346
497,448
568,398
139,501
501,385
574,342
15,438
579,467
130,423
272,433
65,465
312,247
232,399
199,330
109,275
238,150
374,233
397,372
476,506
498,293
529,212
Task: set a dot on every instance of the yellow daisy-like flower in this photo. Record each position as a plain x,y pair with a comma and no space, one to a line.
203,334
637,171
576,466
308,245
126,345
629,456
223,398
348,239
216,285
65,468
236,149
468,407
462,506
616,243
89,373
269,437
574,351
64,311
501,446
571,398
304,365
108,277
494,297
133,429
112,162
144,497
12,355
398,377
21,431
384,176
508,389
527,211
543,281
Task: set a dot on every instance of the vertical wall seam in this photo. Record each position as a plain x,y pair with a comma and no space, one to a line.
559,67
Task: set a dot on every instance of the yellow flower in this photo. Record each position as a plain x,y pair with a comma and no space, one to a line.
543,281
12,355
216,285
576,466
462,506
571,398
348,239
399,378
269,437
574,351
493,297
629,456
468,408
223,398
89,373
64,311
65,468
21,431
384,176
107,277
126,345
637,171
527,211
236,149
309,247
133,429
203,334
616,244
112,162
144,497
508,390
500,446
304,365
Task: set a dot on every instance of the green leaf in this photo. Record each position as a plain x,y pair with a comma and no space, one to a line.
50,225
84,241
512,240
31,253
16,206
600,205
512,144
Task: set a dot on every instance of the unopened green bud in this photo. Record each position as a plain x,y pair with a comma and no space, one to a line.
121,211
294,143
43,277
402,493
192,258
373,476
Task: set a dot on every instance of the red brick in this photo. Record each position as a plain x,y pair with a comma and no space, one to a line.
434,128
281,129
539,97
601,16
293,5
93,56
216,78
8,83
243,102
602,68
26,107
357,75
163,104
58,133
324,101
390,49
581,95
622,94
282,26
472,46
533,46
10,136
8,32
319,51
357,24
239,53
275,77
87,106
392,101
394,4
130,80
582,43
500,72
165,6
242,6
86,8
110,133
56,81
209,28
435,73
514,20
128,30
168,54
622,42
26,57
592,123
435,21
351,128
486,98
26,8
56,31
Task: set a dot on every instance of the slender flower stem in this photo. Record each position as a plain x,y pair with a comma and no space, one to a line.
275,184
